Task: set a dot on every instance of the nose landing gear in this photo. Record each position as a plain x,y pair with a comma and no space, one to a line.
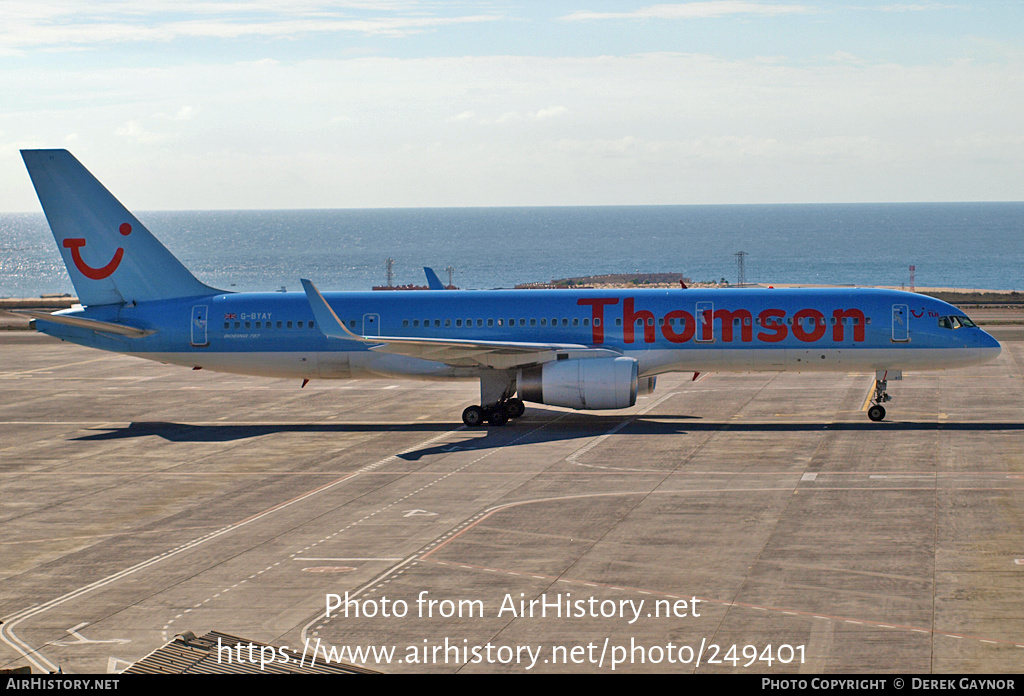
877,411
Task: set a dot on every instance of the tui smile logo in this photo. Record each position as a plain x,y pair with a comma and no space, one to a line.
76,244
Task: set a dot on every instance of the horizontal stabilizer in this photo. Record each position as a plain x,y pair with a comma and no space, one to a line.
83,323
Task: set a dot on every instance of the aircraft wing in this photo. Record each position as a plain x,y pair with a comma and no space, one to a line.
450,351
83,323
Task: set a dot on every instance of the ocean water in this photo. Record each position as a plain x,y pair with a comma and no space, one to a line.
964,245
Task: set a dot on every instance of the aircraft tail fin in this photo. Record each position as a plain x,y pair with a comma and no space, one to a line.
433,282
111,257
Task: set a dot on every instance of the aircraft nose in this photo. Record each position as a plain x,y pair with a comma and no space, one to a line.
989,346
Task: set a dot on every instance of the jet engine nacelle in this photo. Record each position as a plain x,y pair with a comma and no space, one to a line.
594,383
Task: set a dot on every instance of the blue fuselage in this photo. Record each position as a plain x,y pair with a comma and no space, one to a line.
706,329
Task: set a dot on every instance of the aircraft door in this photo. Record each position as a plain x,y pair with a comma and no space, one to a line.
900,323
199,323
371,325
705,316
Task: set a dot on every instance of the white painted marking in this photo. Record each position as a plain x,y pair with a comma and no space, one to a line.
80,639
36,657
116,665
347,559
572,458
914,477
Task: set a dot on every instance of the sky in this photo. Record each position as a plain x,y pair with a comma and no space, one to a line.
262,104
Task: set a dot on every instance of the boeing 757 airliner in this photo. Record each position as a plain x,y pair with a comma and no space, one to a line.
581,349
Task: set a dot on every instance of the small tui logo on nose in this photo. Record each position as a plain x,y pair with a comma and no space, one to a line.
76,244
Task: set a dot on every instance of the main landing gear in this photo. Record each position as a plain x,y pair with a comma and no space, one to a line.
877,411
496,393
498,414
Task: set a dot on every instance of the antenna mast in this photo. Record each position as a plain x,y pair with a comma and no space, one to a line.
741,273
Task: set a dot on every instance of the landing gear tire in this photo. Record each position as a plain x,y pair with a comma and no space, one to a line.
473,416
877,411
515,408
498,416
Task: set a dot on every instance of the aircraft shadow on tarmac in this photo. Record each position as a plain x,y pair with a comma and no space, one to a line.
511,435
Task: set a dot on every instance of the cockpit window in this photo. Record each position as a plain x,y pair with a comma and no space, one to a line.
956,322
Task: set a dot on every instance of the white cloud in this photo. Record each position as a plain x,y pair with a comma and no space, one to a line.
551,112
919,7
135,131
540,115
697,10
655,128
86,23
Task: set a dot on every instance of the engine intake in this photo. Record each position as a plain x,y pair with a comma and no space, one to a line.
595,383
